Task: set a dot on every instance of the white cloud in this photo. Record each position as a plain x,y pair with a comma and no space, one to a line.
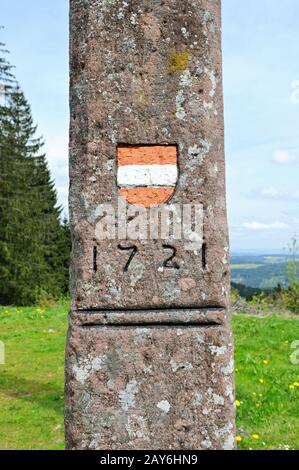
283,157
295,93
270,192
56,149
258,226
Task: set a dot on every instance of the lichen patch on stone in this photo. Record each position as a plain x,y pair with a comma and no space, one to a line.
181,365
178,62
127,396
218,350
86,366
164,406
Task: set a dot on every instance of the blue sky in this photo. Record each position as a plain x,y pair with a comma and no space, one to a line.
261,89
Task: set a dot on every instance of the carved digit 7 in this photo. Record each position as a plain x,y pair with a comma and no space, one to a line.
169,263
128,248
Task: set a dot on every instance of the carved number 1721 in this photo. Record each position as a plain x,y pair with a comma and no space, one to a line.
169,262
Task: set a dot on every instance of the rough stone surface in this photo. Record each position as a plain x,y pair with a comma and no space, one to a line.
149,361
150,388
147,72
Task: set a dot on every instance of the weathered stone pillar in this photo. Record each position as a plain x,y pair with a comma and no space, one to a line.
149,361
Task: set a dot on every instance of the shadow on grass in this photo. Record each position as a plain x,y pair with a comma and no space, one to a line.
45,395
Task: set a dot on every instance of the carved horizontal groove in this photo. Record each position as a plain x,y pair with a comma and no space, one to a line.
216,308
150,325
158,316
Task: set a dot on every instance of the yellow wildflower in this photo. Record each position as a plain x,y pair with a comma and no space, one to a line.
238,438
261,381
266,362
296,384
255,436
238,403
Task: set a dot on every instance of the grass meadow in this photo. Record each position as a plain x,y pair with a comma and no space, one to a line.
31,380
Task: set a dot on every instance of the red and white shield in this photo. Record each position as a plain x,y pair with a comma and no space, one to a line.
147,175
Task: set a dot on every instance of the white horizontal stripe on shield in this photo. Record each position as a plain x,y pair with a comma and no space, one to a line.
147,175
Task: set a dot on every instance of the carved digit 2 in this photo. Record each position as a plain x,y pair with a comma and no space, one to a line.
169,263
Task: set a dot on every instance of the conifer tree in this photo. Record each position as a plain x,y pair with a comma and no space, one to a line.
34,244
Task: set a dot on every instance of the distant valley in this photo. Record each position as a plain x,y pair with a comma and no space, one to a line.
260,271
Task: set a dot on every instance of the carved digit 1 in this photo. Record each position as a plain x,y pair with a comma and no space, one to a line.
95,261
169,263
128,248
204,256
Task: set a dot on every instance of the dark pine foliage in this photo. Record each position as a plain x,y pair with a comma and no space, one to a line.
34,243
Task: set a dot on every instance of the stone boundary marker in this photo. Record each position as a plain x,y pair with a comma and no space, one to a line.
149,359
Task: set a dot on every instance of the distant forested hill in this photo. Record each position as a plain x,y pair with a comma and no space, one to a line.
259,271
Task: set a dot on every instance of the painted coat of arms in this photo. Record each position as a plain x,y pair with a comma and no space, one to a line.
147,175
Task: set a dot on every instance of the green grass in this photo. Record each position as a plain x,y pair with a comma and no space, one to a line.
268,407
31,381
